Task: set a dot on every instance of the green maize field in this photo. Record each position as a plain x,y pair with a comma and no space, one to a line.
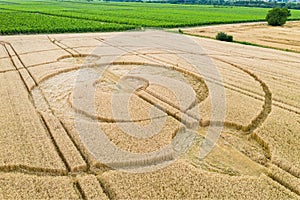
49,16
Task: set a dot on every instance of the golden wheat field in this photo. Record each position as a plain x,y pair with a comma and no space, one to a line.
93,116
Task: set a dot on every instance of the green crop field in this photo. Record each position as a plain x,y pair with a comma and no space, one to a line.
49,16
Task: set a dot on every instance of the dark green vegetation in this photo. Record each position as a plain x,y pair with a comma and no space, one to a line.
224,37
50,16
278,16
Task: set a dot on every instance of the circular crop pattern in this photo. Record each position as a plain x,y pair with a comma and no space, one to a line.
137,109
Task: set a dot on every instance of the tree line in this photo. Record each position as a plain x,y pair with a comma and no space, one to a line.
249,3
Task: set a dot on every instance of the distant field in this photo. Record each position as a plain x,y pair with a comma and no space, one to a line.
284,38
23,16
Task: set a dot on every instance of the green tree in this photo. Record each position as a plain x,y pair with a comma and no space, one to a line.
278,16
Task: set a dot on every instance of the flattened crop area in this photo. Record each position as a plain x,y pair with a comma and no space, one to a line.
285,38
108,116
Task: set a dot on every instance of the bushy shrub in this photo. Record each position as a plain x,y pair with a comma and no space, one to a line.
278,16
224,37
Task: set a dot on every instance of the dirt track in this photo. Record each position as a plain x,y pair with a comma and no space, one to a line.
285,38
49,147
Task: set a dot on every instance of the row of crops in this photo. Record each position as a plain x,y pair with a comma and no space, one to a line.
20,22
24,16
